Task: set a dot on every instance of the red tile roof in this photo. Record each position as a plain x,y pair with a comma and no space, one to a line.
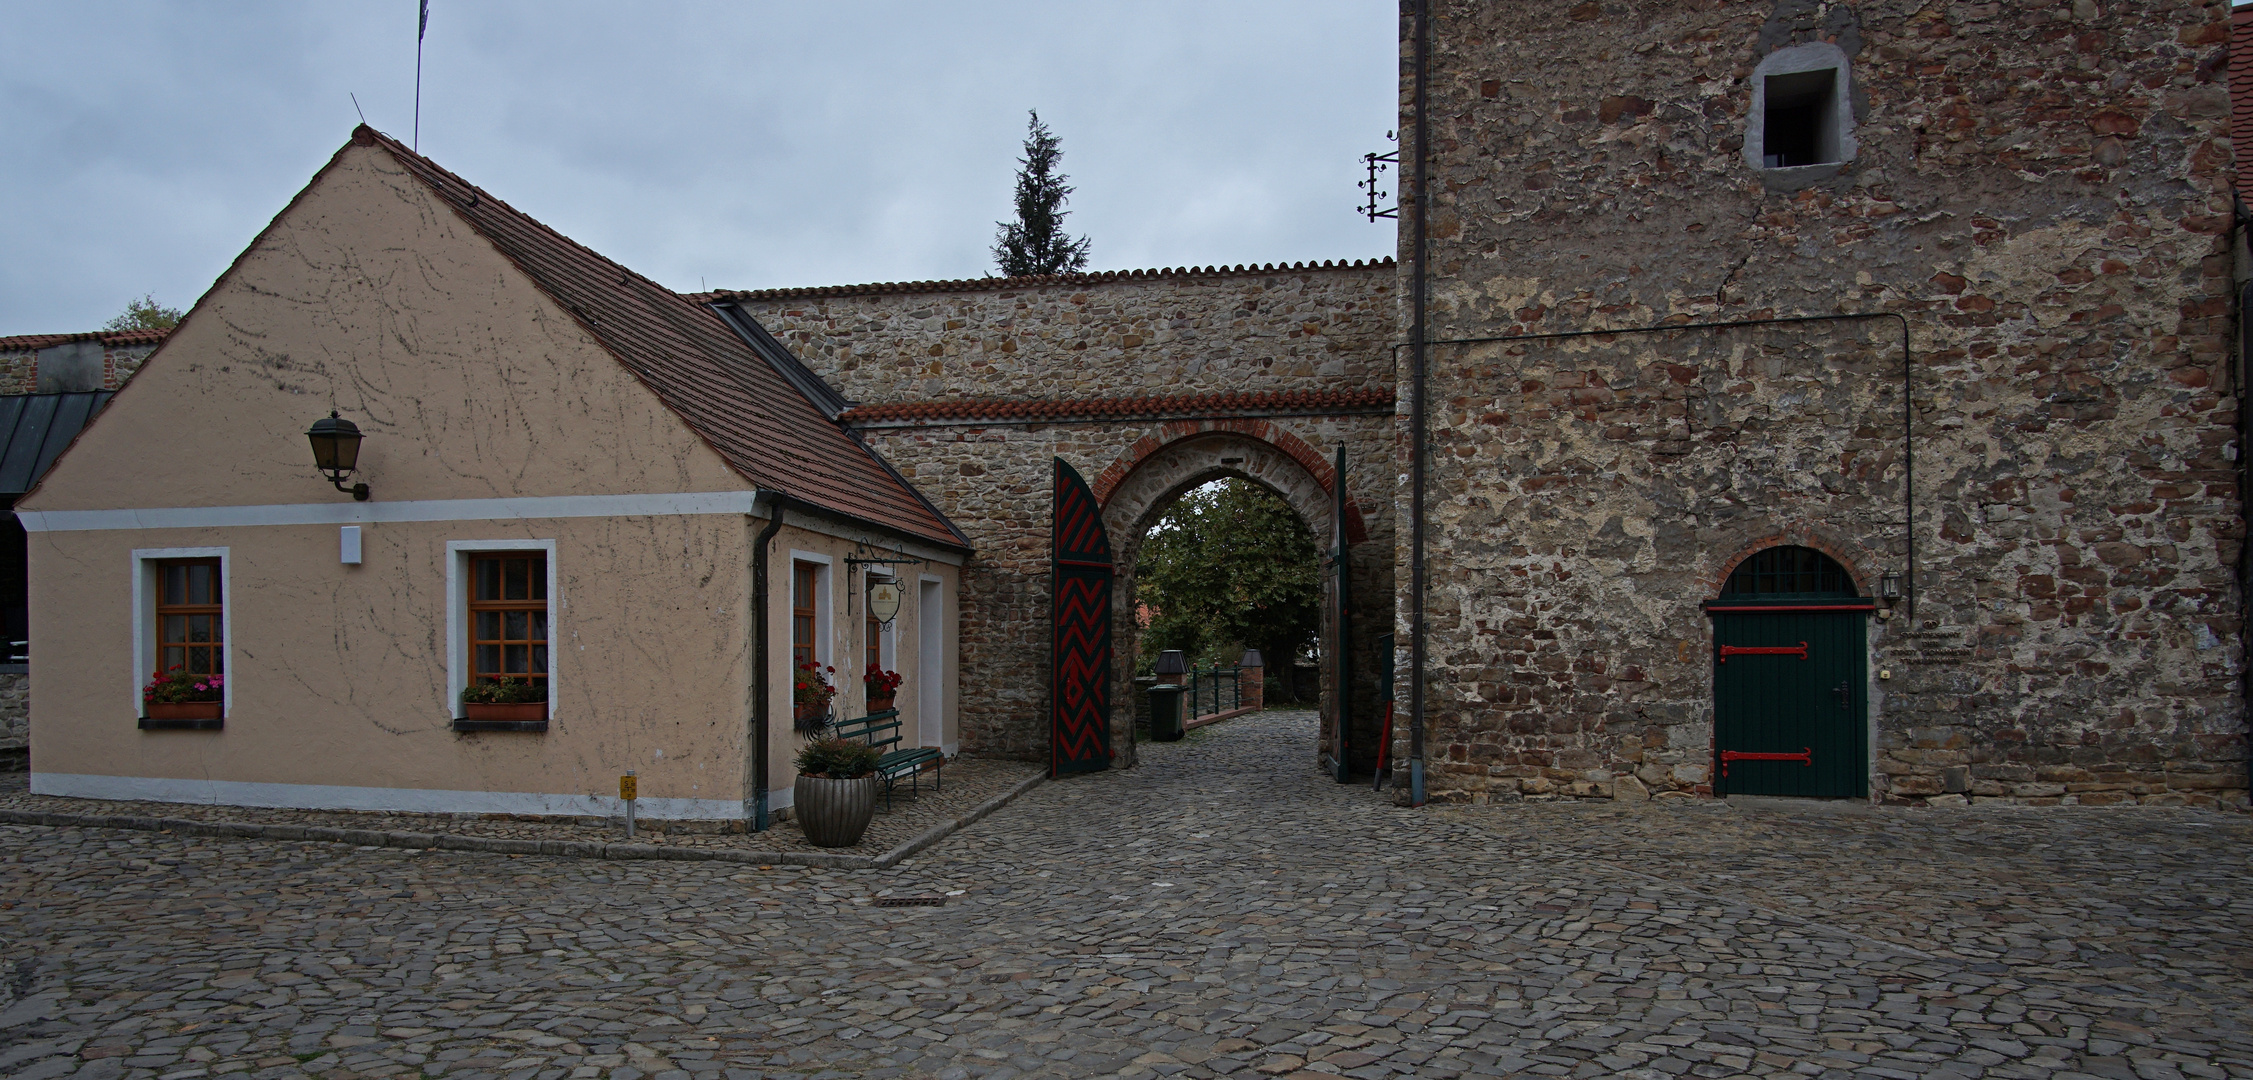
1328,402
994,283
768,431
114,339
2241,81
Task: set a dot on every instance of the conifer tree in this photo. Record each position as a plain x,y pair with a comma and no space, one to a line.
1036,243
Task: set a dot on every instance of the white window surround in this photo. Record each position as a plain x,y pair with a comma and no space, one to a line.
144,618
1812,56
825,652
457,617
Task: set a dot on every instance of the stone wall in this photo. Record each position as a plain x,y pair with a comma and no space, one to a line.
15,721
1098,337
2041,190
19,366
1185,331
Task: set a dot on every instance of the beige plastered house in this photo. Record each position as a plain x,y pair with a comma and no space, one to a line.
521,398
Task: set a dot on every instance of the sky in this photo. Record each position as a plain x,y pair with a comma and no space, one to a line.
721,145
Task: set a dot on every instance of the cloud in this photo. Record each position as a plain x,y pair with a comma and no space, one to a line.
733,145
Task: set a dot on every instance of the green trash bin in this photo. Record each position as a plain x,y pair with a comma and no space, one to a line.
1165,713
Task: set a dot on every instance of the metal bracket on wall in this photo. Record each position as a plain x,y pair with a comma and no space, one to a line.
1376,164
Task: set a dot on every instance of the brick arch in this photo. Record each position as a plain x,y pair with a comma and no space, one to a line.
1106,483
1857,561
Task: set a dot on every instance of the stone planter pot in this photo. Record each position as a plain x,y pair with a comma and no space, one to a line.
515,710
182,710
834,813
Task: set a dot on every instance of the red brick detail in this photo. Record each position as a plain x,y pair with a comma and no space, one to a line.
1856,561
1174,431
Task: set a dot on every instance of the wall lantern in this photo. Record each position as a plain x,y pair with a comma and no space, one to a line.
336,452
883,598
1889,587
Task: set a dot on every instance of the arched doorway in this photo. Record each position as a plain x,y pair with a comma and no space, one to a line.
1157,479
1790,690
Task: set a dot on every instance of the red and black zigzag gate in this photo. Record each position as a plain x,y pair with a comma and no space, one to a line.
1079,653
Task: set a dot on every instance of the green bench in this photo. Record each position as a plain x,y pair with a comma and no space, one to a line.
882,730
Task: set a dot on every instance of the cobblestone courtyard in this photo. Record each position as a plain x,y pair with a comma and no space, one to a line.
1221,910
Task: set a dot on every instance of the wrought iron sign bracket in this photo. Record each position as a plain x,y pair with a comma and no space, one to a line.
1378,163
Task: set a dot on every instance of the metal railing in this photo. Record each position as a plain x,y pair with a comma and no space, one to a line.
1216,690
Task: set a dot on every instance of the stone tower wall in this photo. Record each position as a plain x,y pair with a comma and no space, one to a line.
2042,190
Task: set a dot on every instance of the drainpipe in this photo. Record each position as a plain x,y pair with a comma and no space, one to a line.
2245,511
762,679
1416,419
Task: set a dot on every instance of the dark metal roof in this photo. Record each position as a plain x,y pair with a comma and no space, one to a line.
34,429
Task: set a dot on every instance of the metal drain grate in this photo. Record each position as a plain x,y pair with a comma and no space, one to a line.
911,901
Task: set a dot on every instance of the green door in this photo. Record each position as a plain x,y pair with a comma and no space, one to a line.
1791,706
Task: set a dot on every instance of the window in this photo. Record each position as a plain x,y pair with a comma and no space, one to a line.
1802,114
508,613
1788,573
1800,124
190,617
504,608
15,580
805,580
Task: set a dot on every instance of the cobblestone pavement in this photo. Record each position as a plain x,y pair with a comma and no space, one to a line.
1221,910
966,782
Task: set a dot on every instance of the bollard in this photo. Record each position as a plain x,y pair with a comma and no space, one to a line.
627,793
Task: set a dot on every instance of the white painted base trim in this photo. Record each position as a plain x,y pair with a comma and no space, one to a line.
403,800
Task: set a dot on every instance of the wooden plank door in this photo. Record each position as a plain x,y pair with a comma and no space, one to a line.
1079,654
1791,707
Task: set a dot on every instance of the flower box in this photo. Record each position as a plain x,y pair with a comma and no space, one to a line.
513,711
877,704
182,710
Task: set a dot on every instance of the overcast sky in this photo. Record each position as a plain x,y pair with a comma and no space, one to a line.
738,145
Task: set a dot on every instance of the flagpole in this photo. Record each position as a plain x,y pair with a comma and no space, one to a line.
422,24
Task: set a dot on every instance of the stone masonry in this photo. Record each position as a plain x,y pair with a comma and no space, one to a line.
122,354
2041,190
915,356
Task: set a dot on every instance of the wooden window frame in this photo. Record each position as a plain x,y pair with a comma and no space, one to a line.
536,583
216,611
805,613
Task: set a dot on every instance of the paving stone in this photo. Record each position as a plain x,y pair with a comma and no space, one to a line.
1219,911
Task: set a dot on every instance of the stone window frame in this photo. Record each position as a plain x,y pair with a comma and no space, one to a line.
1792,60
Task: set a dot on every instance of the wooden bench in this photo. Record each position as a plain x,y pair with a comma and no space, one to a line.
882,730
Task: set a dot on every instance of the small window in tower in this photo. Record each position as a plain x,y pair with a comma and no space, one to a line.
1800,122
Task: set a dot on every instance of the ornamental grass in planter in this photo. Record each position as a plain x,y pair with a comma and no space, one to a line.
177,695
505,699
836,791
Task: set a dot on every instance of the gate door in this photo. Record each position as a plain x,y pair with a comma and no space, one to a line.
1079,650
1790,696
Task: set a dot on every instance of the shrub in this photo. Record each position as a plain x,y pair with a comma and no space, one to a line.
837,759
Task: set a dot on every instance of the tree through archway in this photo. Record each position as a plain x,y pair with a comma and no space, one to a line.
1230,566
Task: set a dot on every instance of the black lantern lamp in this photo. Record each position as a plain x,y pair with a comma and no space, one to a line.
1171,666
883,597
336,452
1889,587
